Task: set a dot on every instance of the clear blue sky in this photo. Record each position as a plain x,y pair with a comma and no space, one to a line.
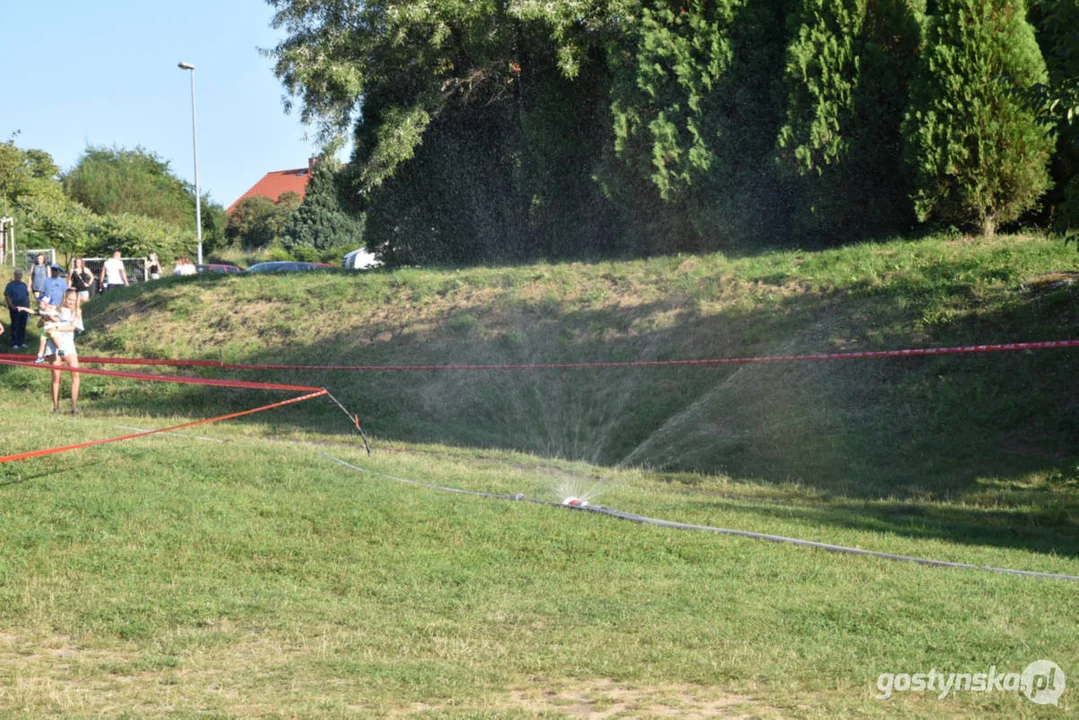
75,73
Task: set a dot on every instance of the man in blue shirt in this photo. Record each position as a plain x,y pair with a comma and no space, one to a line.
54,286
17,295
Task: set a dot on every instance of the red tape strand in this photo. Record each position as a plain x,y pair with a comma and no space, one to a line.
156,378
19,361
310,392
1010,347
51,451
911,352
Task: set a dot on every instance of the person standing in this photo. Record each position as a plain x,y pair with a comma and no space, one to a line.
153,267
81,279
70,321
55,285
17,297
113,273
39,273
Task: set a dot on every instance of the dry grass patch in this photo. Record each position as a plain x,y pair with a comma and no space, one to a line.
603,699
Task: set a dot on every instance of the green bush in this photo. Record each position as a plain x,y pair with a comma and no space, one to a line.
257,221
276,253
694,117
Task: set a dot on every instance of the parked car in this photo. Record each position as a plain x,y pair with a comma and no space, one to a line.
215,268
286,266
361,259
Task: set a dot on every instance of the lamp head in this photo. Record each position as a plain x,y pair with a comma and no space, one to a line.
186,66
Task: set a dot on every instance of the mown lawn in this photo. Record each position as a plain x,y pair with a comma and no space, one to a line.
173,576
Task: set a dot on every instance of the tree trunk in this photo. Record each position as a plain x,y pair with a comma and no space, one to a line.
989,226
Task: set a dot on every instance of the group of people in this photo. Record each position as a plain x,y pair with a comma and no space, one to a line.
58,308
55,298
184,266
48,279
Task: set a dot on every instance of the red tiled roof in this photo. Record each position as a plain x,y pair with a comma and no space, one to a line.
274,184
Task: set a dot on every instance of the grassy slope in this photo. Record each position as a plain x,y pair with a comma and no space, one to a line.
905,427
136,573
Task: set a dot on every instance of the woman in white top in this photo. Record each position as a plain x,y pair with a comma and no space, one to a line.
70,321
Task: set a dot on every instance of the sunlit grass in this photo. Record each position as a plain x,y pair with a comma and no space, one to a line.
260,577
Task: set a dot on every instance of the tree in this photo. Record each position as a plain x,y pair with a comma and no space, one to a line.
977,152
419,58
694,113
456,201
25,173
320,222
1055,22
257,221
498,179
447,90
129,181
139,182
847,75
486,130
30,187
30,190
214,223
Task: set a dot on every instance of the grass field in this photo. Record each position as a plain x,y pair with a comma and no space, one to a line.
235,571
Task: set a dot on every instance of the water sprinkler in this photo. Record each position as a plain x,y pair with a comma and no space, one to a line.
575,502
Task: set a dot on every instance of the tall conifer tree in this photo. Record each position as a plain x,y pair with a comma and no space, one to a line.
1057,26
694,113
847,74
977,152
320,222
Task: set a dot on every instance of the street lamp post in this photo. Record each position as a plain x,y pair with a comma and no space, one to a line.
195,137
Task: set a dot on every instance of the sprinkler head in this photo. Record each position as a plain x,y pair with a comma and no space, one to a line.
575,502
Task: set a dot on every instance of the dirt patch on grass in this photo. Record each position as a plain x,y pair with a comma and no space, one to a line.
1048,282
53,675
602,699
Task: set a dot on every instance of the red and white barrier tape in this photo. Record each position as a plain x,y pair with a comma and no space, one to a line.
869,354
91,443
310,392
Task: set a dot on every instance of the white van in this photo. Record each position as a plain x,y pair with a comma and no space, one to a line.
362,259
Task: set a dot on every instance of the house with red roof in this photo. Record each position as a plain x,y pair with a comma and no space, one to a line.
275,184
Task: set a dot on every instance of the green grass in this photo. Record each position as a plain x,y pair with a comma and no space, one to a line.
178,577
